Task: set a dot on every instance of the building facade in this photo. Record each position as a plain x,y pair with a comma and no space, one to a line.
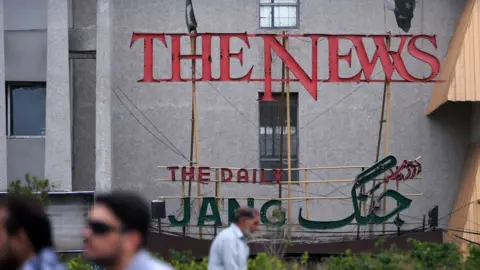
76,114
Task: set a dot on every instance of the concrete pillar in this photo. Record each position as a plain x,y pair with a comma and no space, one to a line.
103,111
58,135
3,105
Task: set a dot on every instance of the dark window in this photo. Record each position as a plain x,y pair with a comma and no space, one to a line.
271,132
26,109
278,13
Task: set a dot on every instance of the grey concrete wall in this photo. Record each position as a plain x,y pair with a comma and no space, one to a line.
84,20
58,139
345,135
83,37
103,97
25,44
3,106
25,156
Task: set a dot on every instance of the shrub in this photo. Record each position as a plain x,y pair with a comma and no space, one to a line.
423,256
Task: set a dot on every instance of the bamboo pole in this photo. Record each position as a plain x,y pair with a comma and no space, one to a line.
291,198
307,206
387,134
293,169
289,146
282,116
321,181
217,194
193,49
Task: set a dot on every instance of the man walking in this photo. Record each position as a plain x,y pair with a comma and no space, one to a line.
25,235
229,250
117,231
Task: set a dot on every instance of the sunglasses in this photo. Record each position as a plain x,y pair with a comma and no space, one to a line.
101,228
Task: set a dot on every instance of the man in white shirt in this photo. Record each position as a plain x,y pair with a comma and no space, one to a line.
229,250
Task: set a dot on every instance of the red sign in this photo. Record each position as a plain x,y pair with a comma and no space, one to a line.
187,173
391,60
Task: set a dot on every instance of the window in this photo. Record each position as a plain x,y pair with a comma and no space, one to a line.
26,109
271,132
278,13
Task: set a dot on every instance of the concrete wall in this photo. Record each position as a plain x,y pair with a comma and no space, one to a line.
25,156
346,135
25,60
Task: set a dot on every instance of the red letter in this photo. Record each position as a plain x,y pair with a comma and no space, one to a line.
190,174
225,56
270,42
381,52
278,175
254,176
203,171
334,58
172,170
242,176
425,56
148,53
177,56
262,176
230,174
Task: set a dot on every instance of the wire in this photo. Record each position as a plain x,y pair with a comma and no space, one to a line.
229,102
156,128
146,128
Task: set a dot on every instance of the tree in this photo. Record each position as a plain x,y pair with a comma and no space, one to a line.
32,186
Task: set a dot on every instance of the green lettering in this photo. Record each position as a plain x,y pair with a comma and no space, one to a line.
186,215
234,205
203,217
263,214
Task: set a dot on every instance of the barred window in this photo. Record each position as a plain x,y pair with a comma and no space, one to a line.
271,132
279,13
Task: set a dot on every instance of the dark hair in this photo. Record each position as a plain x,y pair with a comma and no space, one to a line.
27,213
131,209
245,212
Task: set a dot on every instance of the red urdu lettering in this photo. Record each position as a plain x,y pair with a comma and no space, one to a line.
230,174
190,174
242,176
148,53
226,55
426,57
172,171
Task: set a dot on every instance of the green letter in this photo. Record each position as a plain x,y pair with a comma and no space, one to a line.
234,205
186,215
263,214
215,216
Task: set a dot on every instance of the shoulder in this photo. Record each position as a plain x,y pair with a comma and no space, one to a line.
159,265
144,260
226,235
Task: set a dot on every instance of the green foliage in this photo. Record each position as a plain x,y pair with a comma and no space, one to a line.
423,256
32,186
78,263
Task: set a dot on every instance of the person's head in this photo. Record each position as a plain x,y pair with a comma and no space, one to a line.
24,230
117,227
247,219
